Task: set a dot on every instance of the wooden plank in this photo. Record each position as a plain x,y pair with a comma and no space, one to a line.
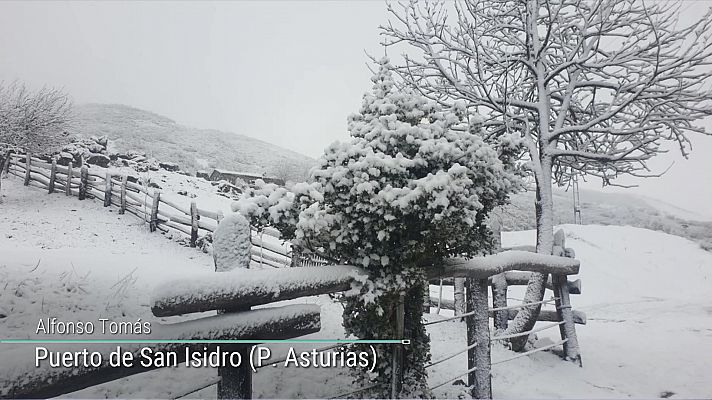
272,232
268,255
249,288
484,267
262,260
181,219
208,214
44,180
23,380
39,172
37,185
15,173
207,224
140,198
184,210
172,224
138,188
269,246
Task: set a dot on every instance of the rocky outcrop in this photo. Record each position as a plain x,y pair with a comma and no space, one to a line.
169,166
92,150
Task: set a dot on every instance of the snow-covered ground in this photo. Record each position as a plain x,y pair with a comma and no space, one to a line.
646,294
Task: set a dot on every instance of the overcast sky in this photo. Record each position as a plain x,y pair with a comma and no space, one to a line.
285,72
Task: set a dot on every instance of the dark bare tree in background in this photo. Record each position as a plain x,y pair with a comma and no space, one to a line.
34,120
591,87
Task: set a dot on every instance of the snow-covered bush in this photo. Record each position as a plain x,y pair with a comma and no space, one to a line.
411,187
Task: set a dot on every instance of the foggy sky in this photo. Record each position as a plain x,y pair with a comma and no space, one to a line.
285,72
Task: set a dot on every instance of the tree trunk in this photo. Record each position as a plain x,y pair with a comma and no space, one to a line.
526,317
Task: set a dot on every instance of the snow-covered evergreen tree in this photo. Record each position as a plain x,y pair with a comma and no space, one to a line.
411,187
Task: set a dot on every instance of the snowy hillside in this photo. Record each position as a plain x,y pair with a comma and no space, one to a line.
193,149
612,209
649,332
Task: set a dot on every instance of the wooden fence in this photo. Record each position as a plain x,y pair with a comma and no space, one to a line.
129,196
235,294
478,313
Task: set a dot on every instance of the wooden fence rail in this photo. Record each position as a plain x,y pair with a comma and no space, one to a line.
160,212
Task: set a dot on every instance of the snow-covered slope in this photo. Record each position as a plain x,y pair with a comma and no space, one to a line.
646,295
612,209
193,149
649,331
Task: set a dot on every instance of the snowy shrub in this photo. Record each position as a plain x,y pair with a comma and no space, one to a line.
412,186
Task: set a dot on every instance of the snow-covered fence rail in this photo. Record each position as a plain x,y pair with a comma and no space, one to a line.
150,205
249,288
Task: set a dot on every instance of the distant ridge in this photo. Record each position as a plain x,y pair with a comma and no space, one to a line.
130,128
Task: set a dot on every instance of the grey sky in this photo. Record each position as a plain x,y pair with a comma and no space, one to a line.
285,72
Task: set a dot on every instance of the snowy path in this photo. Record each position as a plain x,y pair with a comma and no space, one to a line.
646,295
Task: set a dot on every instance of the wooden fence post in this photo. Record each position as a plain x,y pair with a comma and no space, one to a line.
499,300
499,282
107,190
2,173
52,175
6,165
235,383
193,223
122,196
397,361
296,256
478,357
28,165
154,211
563,309
83,182
68,188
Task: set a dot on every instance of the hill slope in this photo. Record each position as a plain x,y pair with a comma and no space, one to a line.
611,209
193,149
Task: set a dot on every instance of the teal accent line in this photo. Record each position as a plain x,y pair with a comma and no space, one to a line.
195,341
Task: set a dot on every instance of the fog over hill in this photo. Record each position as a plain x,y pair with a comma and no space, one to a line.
193,149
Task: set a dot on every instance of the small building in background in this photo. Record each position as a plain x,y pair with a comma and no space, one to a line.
248,177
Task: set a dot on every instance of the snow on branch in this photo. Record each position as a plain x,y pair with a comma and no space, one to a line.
596,85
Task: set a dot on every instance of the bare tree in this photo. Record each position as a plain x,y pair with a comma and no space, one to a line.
593,87
34,120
